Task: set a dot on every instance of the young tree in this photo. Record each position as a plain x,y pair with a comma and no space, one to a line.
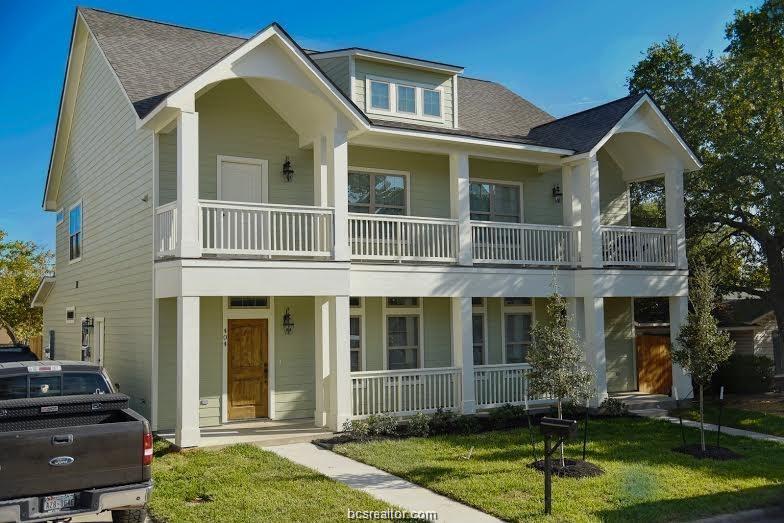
558,367
22,264
730,108
701,347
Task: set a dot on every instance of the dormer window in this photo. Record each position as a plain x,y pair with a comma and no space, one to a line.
406,99
379,95
432,102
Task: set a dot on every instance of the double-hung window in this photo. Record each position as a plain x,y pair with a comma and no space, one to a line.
403,342
478,327
75,232
431,103
355,342
517,331
495,202
379,95
375,193
406,99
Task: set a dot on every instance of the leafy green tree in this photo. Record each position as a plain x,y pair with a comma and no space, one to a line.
730,108
22,264
701,347
557,359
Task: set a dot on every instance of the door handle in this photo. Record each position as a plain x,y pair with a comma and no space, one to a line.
63,439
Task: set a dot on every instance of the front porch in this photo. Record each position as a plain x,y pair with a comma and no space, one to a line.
259,432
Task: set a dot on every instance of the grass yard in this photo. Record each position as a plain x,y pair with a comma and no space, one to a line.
758,421
245,483
644,479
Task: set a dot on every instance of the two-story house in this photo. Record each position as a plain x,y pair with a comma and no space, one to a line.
249,229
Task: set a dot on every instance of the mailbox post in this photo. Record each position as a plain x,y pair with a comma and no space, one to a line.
563,430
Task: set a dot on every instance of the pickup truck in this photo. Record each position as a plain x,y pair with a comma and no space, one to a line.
69,445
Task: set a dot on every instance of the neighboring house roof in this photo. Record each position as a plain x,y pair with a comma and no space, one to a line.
742,312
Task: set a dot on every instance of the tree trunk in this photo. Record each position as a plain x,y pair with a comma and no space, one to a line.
775,259
10,331
560,416
702,420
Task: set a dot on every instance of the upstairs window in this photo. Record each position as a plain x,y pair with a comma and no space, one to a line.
75,232
495,202
406,99
373,193
431,103
379,95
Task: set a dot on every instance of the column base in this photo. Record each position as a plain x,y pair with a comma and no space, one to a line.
185,438
469,407
335,423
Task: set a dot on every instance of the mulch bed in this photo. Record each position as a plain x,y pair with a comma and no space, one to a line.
711,452
574,468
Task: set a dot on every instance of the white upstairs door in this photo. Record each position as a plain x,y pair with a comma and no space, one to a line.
242,180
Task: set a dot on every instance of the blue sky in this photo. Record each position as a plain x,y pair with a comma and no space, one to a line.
564,56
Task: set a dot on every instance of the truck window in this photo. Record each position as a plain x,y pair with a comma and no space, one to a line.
13,387
83,383
44,386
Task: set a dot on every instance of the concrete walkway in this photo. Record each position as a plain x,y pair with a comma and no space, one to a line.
379,484
662,415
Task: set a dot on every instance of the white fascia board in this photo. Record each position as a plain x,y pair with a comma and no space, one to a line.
378,56
185,95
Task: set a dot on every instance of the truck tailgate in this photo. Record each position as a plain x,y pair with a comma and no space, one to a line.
71,451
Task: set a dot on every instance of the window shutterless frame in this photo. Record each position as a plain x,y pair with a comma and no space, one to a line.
388,312
509,310
75,232
372,206
491,214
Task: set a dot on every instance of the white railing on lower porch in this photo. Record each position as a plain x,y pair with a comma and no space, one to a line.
404,392
402,238
496,385
524,243
265,229
638,246
166,229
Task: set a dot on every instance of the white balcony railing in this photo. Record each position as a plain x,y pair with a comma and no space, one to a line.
496,385
265,229
638,246
524,243
166,229
404,392
402,238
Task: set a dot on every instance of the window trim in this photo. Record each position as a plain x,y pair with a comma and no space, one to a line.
397,99
519,185
418,99
481,310
81,231
514,309
398,312
248,307
374,170
72,309
358,312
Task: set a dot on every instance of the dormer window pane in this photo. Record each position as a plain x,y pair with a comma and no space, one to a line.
379,95
406,99
432,103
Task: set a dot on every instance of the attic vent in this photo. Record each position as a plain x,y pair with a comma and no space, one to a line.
248,302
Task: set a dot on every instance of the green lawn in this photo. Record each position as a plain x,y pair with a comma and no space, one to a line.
766,423
644,480
246,483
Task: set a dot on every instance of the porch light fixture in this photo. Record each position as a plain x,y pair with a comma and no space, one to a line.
288,170
557,194
288,323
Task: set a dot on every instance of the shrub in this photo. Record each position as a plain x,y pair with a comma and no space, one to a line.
613,407
382,425
572,410
418,425
359,429
507,416
443,422
467,424
744,373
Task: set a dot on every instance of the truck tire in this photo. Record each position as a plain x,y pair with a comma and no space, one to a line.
137,515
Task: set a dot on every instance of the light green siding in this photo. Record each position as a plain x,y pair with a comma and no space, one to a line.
167,167
167,363
619,344
211,360
108,166
337,70
429,176
494,322
613,192
363,68
437,319
295,359
538,203
374,341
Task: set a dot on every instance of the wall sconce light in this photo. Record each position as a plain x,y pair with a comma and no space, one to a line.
288,322
288,170
557,194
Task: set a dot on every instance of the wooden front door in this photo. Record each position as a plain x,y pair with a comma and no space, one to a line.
654,365
248,358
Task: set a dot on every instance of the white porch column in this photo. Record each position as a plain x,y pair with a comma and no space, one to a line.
463,350
679,310
676,220
460,205
339,363
322,320
189,244
187,423
587,192
337,150
594,345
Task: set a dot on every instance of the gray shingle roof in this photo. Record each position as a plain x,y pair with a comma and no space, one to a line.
153,59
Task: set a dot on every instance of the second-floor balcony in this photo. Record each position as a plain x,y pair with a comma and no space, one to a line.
275,231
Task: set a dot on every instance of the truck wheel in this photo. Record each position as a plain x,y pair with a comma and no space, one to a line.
137,515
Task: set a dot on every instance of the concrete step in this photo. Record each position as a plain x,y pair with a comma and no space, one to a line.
648,412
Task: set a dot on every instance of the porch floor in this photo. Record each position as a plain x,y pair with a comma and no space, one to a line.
261,433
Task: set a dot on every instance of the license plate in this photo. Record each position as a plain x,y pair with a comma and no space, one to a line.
58,503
